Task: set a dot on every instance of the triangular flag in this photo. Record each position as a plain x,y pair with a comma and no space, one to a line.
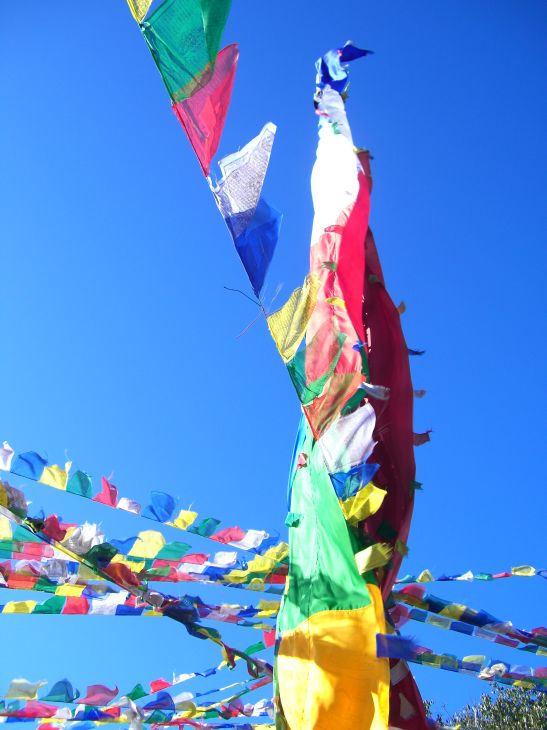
203,114
139,8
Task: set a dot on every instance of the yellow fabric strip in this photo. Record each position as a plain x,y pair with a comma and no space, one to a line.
19,606
375,556
139,8
184,520
455,610
327,662
55,477
365,503
524,570
148,544
288,325
5,528
69,590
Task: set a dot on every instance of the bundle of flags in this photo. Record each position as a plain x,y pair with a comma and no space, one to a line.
340,659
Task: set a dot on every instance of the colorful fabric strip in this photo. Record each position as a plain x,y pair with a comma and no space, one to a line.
415,596
521,571
400,615
31,465
490,671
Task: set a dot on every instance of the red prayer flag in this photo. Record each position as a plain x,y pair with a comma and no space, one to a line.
53,529
229,534
76,606
159,684
108,494
203,114
98,694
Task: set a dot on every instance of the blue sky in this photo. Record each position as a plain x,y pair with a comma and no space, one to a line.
119,338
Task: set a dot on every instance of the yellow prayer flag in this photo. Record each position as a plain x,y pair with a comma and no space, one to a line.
288,325
5,528
256,584
278,552
148,544
454,610
56,477
525,571
365,503
134,565
139,8
375,556
68,589
19,606
440,621
425,577
22,689
268,609
184,520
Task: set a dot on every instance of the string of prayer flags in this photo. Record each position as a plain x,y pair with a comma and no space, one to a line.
33,466
123,604
400,615
415,596
480,667
521,571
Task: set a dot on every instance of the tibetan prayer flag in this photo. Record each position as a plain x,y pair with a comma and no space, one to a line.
139,8
288,325
54,476
347,484
184,38
253,224
98,694
160,508
29,465
80,484
202,115
108,494
6,456
257,243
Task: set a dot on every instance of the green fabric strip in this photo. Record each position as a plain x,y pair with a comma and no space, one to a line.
323,574
184,39
53,605
80,484
173,551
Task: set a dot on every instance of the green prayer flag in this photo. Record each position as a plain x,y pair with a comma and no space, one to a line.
173,551
206,527
53,605
80,484
44,584
184,39
137,692
254,648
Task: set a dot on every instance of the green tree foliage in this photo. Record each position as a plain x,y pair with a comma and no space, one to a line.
501,709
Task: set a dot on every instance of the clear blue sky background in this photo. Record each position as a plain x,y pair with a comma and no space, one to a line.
119,341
